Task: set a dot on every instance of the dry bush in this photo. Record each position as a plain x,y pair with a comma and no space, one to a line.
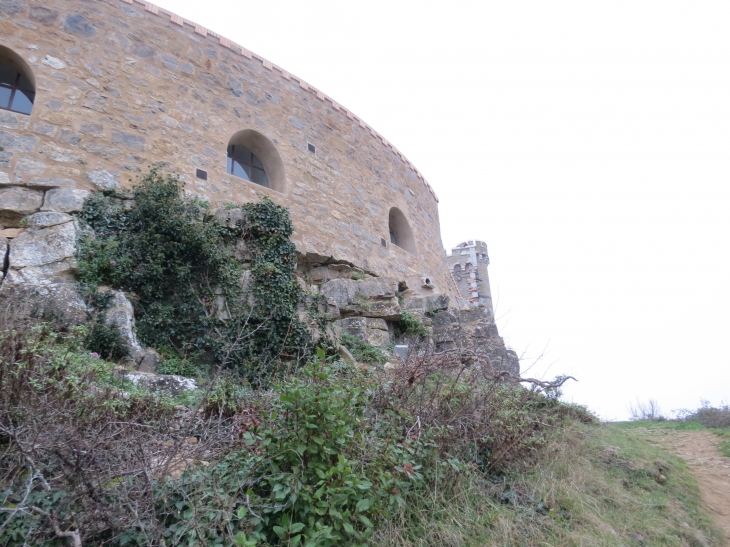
88,459
709,416
645,411
478,413
81,451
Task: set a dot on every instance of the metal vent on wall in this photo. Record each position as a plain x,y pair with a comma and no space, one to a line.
203,175
310,147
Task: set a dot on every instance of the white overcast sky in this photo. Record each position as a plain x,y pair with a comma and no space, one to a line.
588,143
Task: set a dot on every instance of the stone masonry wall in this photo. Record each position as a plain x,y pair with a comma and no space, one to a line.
468,263
123,85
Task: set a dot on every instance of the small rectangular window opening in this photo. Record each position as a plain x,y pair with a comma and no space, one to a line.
310,147
382,242
203,175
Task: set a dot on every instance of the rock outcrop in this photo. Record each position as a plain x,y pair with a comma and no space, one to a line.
374,297
168,384
462,328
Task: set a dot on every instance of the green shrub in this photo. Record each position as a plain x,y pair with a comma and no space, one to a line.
178,261
362,351
173,363
106,340
321,471
226,396
411,326
325,457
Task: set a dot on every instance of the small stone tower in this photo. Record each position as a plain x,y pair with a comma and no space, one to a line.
468,263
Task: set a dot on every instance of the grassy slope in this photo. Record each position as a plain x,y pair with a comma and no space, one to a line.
723,433
597,487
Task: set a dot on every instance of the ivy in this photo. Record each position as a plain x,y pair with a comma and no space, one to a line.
177,262
411,326
362,351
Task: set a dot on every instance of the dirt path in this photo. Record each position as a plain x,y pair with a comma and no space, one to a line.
712,470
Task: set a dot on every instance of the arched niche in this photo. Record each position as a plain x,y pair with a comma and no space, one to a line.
17,83
264,156
400,231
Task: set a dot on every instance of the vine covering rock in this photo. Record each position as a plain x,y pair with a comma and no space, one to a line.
197,284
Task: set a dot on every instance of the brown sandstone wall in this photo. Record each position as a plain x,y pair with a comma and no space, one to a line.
123,85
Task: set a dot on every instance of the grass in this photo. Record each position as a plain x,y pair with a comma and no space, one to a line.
598,486
723,433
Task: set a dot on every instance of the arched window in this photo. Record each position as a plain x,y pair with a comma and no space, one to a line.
244,164
17,85
253,157
400,231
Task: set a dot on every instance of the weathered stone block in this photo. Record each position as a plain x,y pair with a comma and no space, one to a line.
229,217
8,141
40,246
161,383
11,8
101,150
375,297
128,140
44,16
16,202
5,158
234,87
47,219
65,200
104,181
52,273
8,119
120,314
91,128
428,303
79,25
53,62
59,300
144,50
371,330
29,166
56,153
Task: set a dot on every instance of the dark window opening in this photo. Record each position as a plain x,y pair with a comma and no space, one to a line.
393,238
242,163
382,242
203,175
310,147
16,91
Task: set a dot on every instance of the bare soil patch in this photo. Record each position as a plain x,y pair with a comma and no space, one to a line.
711,469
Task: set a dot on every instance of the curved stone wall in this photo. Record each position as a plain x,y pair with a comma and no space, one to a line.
122,85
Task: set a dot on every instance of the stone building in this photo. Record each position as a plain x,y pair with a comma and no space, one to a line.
92,94
468,263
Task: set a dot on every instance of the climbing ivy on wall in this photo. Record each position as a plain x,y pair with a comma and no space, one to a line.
178,264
